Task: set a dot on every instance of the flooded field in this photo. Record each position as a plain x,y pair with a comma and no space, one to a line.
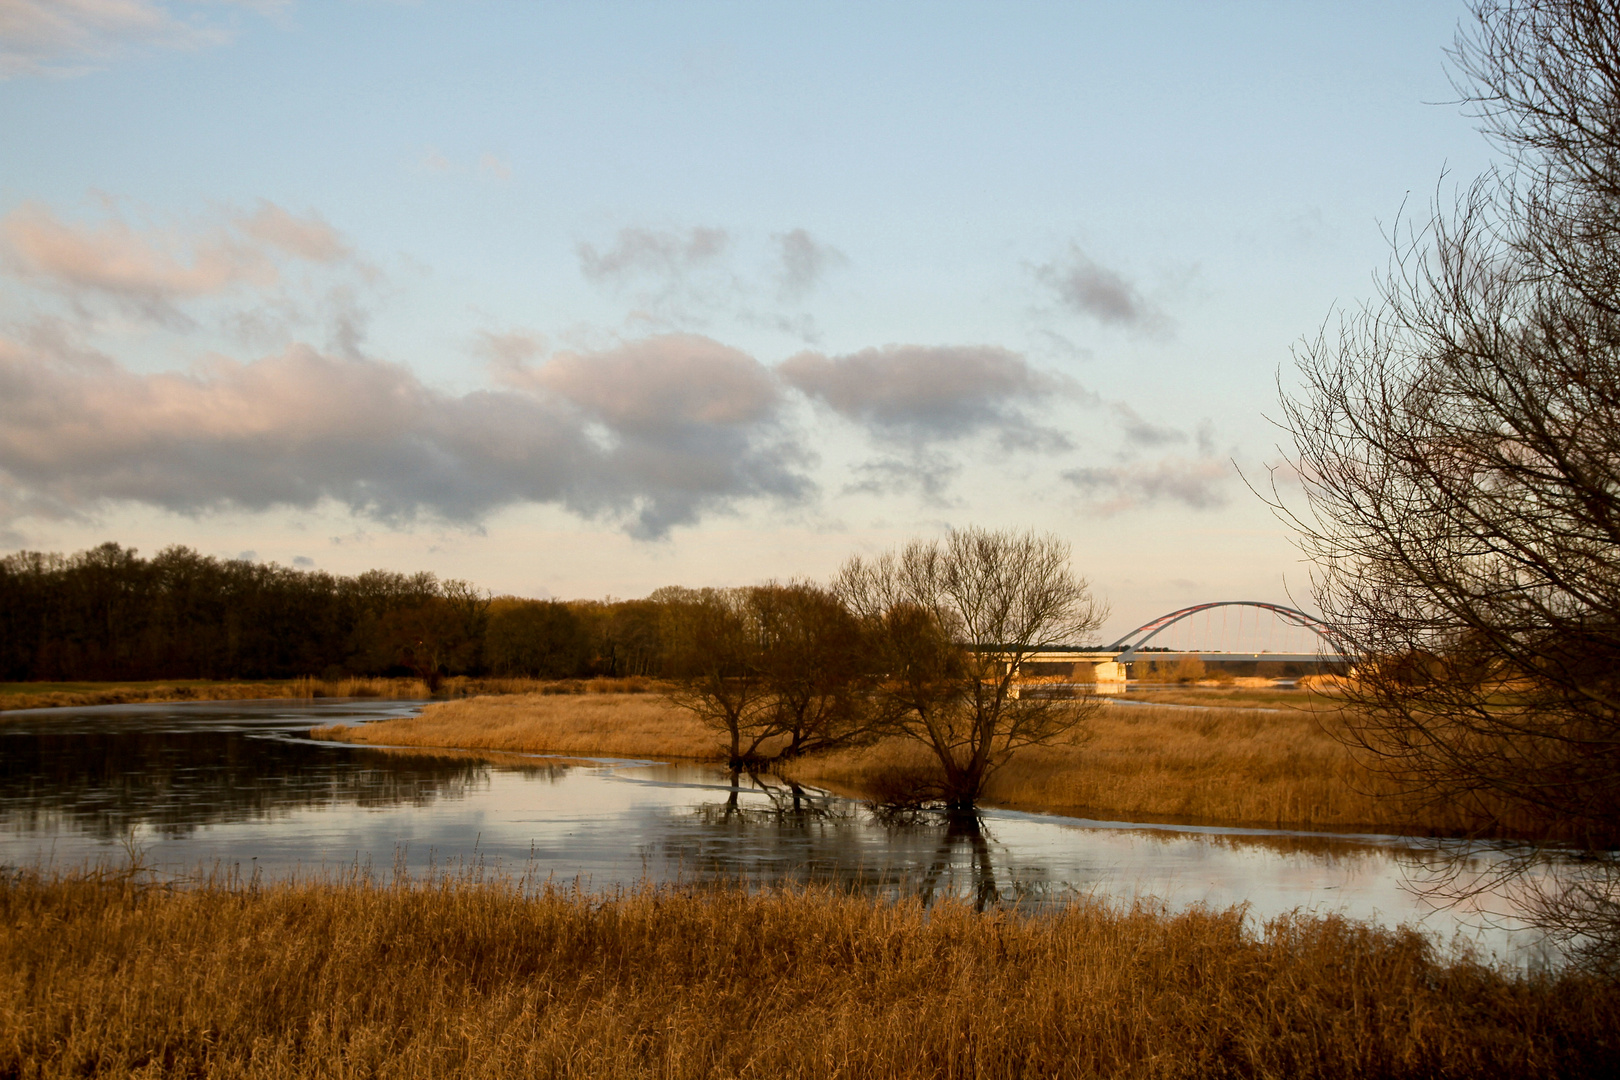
238,785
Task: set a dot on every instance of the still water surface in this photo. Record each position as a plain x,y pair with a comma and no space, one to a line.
239,785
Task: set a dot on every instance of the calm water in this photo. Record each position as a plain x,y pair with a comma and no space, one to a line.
238,784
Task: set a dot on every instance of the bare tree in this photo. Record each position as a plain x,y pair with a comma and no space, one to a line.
1459,446
817,666
715,653
950,622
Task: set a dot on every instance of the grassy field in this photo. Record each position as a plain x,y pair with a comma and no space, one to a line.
107,977
45,695
1226,766
601,723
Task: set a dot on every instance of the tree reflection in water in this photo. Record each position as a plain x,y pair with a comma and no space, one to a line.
106,783
770,830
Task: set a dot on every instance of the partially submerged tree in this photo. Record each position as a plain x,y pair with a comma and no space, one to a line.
950,622
780,670
1459,446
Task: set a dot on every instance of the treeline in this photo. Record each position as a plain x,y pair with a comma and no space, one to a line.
109,614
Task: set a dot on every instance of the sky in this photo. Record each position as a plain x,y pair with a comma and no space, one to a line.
579,300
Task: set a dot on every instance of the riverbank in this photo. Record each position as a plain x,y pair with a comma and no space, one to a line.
16,696
462,978
1276,765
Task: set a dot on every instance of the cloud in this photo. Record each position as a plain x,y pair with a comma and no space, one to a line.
653,253
919,393
490,165
1139,432
925,471
665,383
71,37
804,262
1194,483
308,237
151,271
657,434
1086,287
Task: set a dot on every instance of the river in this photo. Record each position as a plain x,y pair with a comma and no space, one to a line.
192,787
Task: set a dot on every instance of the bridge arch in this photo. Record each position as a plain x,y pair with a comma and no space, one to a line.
1128,645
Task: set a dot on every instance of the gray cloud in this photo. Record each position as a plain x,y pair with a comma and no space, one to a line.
1086,287
1195,483
1140,432
929,473
805,262
919,393
583,431
659,254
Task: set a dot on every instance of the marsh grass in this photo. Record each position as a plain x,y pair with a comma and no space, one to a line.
14,696
1213,766
460,977
597,724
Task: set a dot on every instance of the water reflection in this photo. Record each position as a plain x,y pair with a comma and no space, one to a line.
107,773
238,784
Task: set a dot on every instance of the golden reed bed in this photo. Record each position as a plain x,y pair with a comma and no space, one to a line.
1216,766
14,696
468,979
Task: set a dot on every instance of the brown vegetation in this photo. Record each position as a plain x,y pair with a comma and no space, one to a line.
1218,766
459,978
589,724
15,696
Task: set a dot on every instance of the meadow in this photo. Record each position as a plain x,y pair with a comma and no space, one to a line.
1275,763
108,975
49,695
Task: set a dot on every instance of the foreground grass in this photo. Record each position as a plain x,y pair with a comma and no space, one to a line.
1218,766
460,978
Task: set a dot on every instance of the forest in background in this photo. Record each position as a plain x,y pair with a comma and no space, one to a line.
109,614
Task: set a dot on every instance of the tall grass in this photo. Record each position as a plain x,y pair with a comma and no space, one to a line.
1223,766
105,977
61,695
589,724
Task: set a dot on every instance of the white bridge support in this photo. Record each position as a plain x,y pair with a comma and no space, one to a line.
1073,665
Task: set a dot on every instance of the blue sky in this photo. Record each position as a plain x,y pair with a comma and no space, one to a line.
584,299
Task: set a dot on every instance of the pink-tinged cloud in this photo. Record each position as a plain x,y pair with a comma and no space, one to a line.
667,381
151,271
69,37
77,431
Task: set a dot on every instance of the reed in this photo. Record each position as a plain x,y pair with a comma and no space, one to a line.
1233,767
14,696
102,976
595,724
1217,766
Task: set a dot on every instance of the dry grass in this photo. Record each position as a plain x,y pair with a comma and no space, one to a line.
461,978
65,695
1140,763
1136,762
593,724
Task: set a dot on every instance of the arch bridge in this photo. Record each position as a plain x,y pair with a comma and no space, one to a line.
1108,663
